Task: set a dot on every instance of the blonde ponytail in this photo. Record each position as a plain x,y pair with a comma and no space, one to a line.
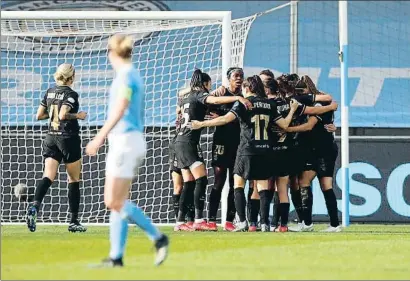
121,45
65,72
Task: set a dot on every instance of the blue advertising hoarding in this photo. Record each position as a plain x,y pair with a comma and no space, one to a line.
379,66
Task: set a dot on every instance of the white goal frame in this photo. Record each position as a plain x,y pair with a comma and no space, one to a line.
225,17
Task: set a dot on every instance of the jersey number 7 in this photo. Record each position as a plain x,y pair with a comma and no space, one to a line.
256,120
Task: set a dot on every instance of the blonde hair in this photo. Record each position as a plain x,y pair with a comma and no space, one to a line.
121,45
65,72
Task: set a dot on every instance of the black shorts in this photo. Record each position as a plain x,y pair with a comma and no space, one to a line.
296,156
253,167
187,153
173,163
282,162
326,160
224,155
308,158
66,148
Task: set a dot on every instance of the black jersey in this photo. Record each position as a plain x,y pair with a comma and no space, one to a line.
193,107
229,133
304,138
53,100
255,125
280,139
323,138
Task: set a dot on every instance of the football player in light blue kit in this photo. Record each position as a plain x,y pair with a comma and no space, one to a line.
124,129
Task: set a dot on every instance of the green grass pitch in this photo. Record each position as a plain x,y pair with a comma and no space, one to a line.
360,252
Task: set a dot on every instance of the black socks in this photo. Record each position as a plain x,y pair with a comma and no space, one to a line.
331,205
41,190
74,197
199,196
240,203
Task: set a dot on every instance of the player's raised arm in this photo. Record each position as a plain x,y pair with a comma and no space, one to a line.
219,121
317,110
283,123
308,126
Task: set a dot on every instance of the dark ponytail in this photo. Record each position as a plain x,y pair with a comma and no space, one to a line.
255,85
198,80
271,84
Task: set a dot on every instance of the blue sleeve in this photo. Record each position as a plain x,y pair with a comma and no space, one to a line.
130,85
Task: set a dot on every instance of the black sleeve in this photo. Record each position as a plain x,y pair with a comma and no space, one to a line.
70,99
275,112
238,109
308,100
201,97
300,110
44,100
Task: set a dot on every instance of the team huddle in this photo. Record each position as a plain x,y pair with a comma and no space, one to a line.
276,133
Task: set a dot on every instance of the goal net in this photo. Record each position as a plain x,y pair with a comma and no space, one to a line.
166,53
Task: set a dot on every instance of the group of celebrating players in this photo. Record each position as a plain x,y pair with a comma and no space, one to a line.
272,132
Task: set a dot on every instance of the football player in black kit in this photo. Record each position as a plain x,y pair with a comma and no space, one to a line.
301,192
283,145
224,146
321,160
253,160
178,182
188,154
62,143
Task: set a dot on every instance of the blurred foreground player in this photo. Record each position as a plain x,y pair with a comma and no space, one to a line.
62,143
124,128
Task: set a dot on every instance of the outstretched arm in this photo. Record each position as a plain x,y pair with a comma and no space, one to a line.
317,110
308,126
324,97
223,100
283,123
219,121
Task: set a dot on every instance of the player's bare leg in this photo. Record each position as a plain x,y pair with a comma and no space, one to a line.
74,195
123,211
326,184
240,204
50,172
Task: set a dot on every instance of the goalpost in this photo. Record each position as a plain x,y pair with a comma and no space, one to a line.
169,45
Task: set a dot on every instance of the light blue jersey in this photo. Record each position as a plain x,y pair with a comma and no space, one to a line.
128,84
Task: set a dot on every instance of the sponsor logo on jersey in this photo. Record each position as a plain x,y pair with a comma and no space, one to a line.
54,37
